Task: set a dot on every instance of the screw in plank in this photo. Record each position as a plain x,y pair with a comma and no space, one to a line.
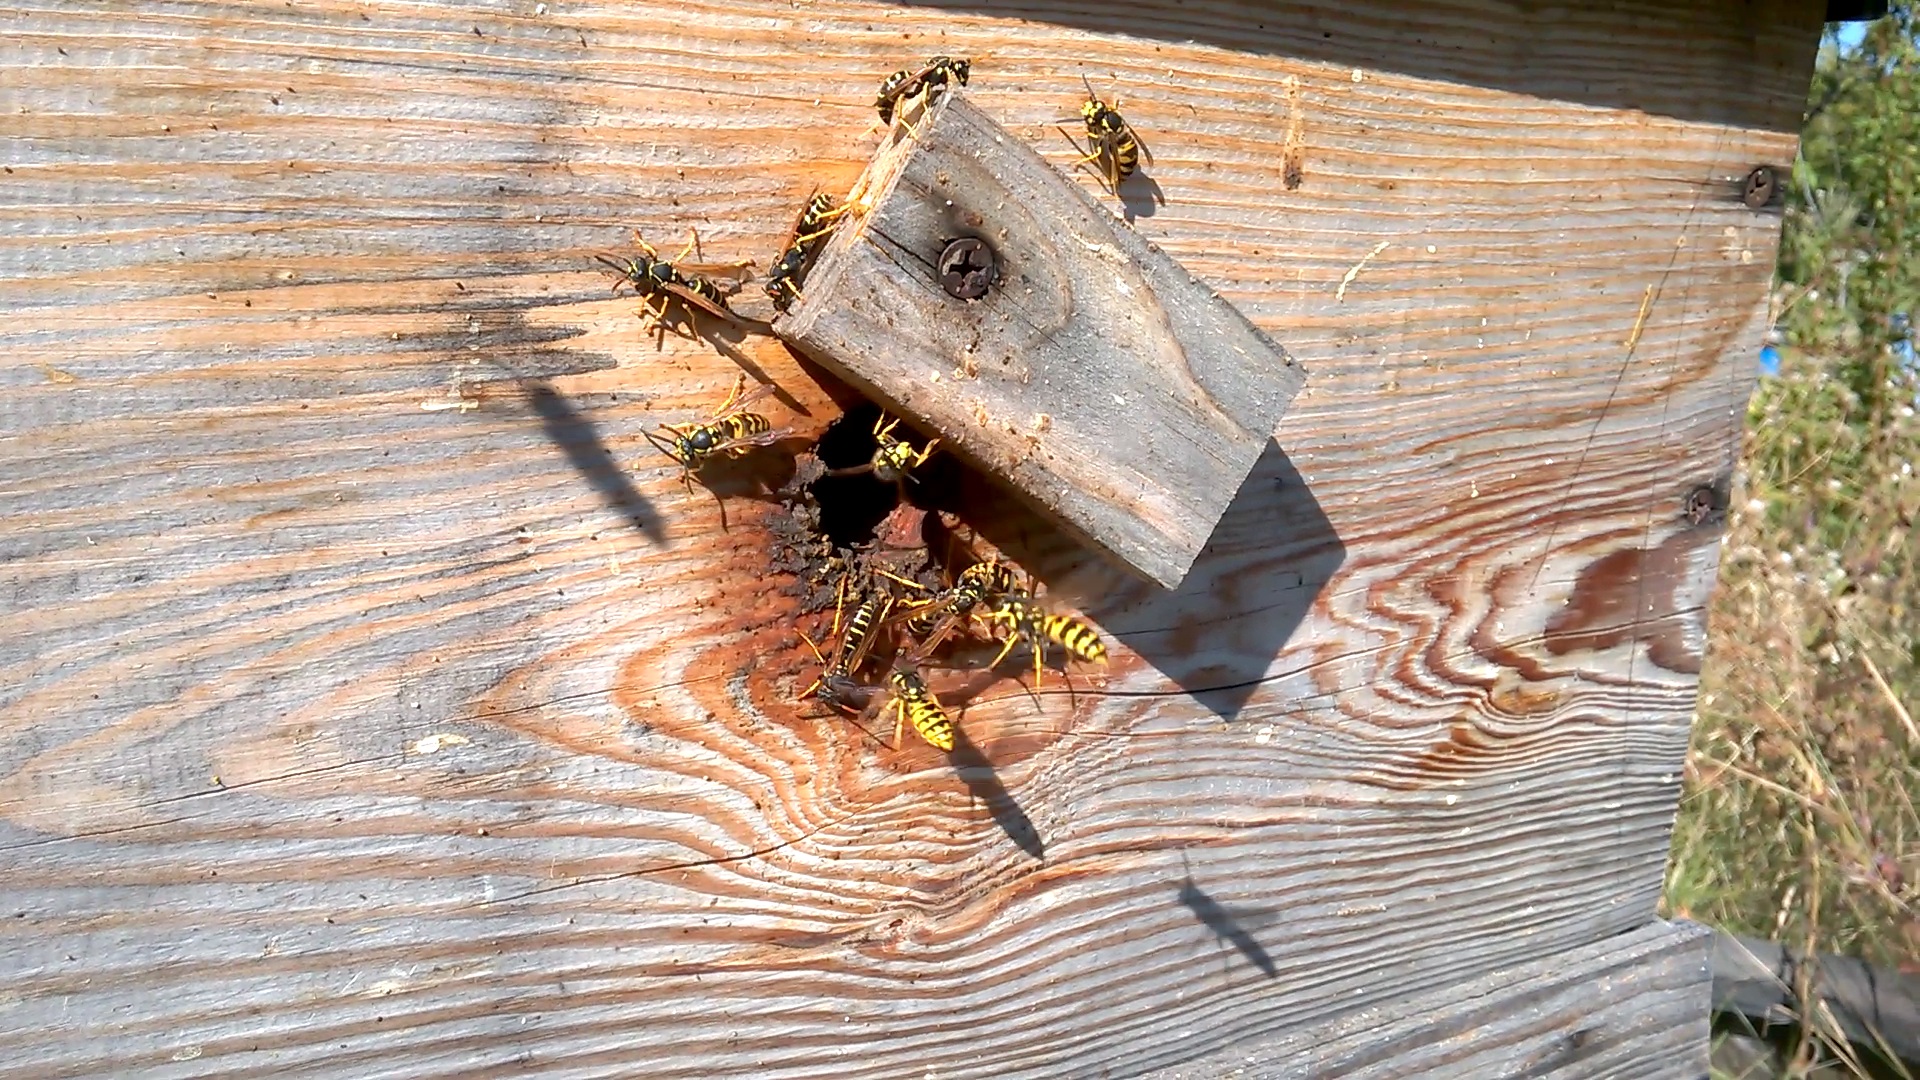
1702,506
966,268
1759,188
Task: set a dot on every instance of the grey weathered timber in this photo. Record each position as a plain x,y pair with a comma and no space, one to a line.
1631,1005
352,727
1098,377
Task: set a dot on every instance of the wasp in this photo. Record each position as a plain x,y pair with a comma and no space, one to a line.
836,683
1111,141
809,229
659,281
893,459
1027,621
931,78
914,703
933,619
731,430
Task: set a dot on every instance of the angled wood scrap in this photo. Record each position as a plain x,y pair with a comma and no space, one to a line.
1097,376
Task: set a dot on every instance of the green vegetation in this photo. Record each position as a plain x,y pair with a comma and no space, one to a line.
1799,821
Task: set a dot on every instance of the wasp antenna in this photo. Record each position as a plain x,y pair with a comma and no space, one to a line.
1091,96
625,270
664,447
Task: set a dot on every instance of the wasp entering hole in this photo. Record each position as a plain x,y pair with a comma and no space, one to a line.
852,504
892,598
873,464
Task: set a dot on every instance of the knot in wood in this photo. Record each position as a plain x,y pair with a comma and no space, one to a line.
966,268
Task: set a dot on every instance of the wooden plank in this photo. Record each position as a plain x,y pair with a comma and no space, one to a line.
1630,1005
1417,713
1125,399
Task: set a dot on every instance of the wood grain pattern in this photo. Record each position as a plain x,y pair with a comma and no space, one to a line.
1122,397
351,723
1630,1005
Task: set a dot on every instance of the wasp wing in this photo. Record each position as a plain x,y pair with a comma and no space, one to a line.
740,403
1110,163
800,218
1146,155
688,296
735,272
884,599
749,442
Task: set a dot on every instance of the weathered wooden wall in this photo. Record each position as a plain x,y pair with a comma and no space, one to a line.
343,731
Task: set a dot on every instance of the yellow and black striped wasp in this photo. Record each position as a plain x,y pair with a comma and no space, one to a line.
1026,621
930,78
934,619
893,459
1111,141
838,684
914,703
658,282
730,431
815,222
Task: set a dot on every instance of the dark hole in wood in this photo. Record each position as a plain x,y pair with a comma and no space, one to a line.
851,507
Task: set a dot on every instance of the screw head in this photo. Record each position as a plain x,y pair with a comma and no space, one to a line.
1760,186
1702,506
966,268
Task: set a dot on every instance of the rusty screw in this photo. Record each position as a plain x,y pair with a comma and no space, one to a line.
1760,187
966,268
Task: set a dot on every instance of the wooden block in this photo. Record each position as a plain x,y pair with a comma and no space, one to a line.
1097,376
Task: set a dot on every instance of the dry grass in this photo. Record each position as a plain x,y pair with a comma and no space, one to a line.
1799,821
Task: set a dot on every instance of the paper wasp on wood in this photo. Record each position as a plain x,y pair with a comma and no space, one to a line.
931,78
815,222
658,282
730,431
837,679
839,686
1111,141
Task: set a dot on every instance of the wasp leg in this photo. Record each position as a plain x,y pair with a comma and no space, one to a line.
739,385
904,581
693,245
1078,146
651,316
821,678
644,246
1013,638
840,601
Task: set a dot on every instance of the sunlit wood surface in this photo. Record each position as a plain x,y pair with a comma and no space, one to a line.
355,724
